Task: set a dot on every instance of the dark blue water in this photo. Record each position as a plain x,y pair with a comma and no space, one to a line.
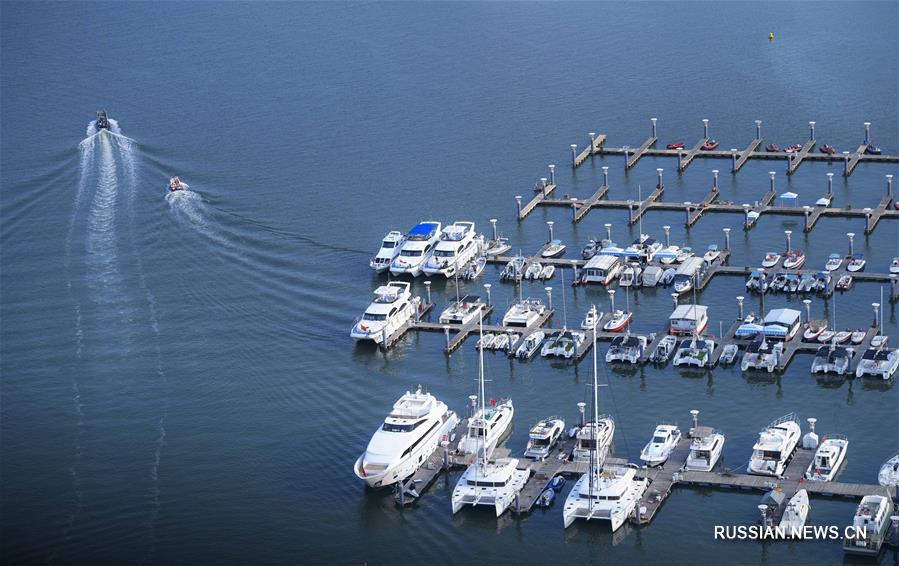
178,383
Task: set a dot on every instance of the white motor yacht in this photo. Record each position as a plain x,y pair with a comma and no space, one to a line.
463,311
795,514
390,247
663,350
555,248
457,247
889,472
408,436
775,447
416,250
704,452
878,362
610,494
664,441
589,436
392,306
591,319
762,355
543,437
695,352
524,313
828,458
871,522
834,262
711,254
729,354
529,345
627,348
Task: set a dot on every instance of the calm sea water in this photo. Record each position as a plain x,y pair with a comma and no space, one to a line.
178,383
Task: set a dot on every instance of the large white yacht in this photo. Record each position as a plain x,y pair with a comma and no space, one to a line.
416,250
659,448
590,435
775,447
485,482
408,436
524,313
871,522
390,247
393,305
457,247
828,458
705,451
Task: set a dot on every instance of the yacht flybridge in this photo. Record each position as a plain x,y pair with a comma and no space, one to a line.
408,436
416,250
393,305
390,248
705,452
462,311
828,458
775,447
456,248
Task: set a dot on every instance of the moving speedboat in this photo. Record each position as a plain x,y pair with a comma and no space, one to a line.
610,494
889,472
175,184
828,458
408,436
676,145
795,514
872,149
392,306
771,259
834,261
705,452
828,149
664,440
871,522
772,148
554,249
543,436
457,247
390,248
416,250
618,322
856,263
775,447
878,362
694,352
709,145
794,259
663,350
102,120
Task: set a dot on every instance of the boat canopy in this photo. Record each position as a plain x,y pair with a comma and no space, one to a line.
749,330
423,229
689,312
782,317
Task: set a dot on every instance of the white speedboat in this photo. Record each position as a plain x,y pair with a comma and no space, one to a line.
457,247
618,322
463,311
695,352
529,345
858,336
501,342
408,436
879,341
711,254
889,472
491,483
834,262
553,249
669,255
894,265
775,447
684,254
651,276
590,249
771,259
794,260
416,250
729,354
878,362
589,436
591,319
564,344
543,437
705,452
474,268
832,359
533,271
663,350
762,355
497,247
626,348
664,441
682,284
485,342
524,313
814,329
514,269
607,495
392,307
668,276
547,272
856,263
795,514
630,275
390,247
871,522
828,458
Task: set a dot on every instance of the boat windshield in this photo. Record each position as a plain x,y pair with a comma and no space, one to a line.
477,432
477,483
411,253
539,442
372,316
444,253
394,427
659,439
586,443
387,244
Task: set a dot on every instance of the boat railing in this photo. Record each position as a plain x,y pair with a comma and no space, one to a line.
786,418
835,437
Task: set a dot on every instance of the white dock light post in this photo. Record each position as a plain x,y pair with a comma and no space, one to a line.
627,150
845,163
851,236
605,175
574,270
808,310
552,174
758,129
574,209
687,204
764,510
543,186
612,300
630,211
493,224
895,520
659,173
829,184
876,314
592,142
581,407
807,210
549,297
746,215
705,127
608,231
715,180
789,235
733,159
428,289
550,224
740,305
726,238
446,334
518,200
574,154
889,185
867,219
674,297
487,287
771,175
654,123
667,230
680,160
867,133
811,133
695,414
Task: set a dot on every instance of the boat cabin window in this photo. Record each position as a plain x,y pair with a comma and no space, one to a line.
703,454
487,483
771,455
444,253
477,432
411,253
540,441
372,316
586,443
393,427
388,245
602,497
659,439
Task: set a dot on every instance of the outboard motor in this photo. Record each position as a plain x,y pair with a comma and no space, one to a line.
810,440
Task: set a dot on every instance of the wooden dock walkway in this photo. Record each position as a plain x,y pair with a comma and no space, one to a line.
539,197
661,479
696,213
423,309
683,163
854,159
645,204
458,332
883,207
795,159
542,472
746,154
583,207
594,147
640,151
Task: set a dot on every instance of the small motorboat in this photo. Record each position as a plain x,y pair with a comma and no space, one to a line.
772,148
879,341
858,336
591,319
498,247
842,336
771,259
659,448
684,254
711,254
102,120
826,336
872,149
780,282
533,271
529,346
547,272
557,483
889,472
618,322
501,342
546,498
856,263
554,249
729,354
710,145
814,329
794,259
486,341
475,268
668,276
663,350
828,458
833,262
844,283
795,514
590,249
828,149
676,145
175,184
630,275
894,265
793,148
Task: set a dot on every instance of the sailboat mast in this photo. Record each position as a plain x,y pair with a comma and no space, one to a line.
483,434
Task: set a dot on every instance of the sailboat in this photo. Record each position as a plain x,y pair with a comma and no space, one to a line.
494,483
600,494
